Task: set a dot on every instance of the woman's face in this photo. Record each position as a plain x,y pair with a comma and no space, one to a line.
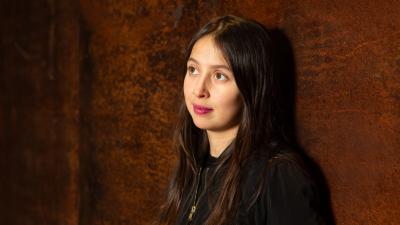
211,94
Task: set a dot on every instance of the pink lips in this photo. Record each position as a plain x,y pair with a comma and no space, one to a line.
201,110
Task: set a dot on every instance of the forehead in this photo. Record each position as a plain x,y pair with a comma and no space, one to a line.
206,52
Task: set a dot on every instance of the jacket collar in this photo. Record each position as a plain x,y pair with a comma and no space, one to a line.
211,161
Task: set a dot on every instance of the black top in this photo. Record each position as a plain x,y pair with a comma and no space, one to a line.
288,197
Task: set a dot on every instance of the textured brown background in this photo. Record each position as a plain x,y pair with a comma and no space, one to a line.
88,93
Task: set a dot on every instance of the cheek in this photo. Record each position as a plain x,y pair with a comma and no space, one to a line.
185,87
233,104
186,90
236,105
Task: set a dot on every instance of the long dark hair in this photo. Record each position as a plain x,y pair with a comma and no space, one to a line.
249,50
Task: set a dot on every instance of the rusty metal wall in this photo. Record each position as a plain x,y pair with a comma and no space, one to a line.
89,90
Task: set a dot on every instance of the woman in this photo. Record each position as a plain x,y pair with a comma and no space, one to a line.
233,166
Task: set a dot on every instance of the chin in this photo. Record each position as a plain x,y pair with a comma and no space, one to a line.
210,126
202,125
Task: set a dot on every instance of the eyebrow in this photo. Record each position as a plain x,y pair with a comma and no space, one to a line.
212,66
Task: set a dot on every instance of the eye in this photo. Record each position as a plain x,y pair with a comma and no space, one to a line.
220,76
192,70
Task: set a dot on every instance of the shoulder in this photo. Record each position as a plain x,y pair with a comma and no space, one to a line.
278,161
287,176
281,190
283,169
263,171
287,165
290,194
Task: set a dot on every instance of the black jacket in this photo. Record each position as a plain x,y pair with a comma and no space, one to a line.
288,197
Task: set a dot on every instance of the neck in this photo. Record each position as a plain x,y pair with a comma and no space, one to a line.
219,140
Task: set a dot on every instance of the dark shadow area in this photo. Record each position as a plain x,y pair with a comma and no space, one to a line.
286,106
89,183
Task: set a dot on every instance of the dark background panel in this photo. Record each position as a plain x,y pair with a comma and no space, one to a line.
39,123
89,93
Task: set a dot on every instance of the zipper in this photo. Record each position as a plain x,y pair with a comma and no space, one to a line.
195,202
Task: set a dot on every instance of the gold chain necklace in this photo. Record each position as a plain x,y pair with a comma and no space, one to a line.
195,202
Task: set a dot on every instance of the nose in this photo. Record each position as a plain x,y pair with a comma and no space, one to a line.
200,89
